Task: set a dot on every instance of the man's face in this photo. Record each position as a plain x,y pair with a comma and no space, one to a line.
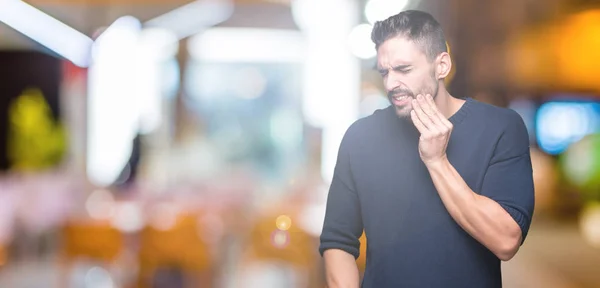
406,73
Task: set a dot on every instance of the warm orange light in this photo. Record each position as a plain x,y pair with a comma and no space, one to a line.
530,59
361,262
577,50
562,56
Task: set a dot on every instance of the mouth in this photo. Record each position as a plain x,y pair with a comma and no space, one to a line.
401,99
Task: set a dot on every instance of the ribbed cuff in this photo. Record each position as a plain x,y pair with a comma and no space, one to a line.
354,251
520,217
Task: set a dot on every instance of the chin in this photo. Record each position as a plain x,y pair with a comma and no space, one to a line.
403,112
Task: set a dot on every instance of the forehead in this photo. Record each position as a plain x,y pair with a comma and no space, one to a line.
399,51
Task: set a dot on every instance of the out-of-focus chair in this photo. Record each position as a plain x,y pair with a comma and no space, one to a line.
179,246
275,240
97,241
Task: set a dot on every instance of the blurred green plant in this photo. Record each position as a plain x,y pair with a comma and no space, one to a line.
35,140
580,165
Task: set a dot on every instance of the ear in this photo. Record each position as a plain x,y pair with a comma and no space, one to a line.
443,66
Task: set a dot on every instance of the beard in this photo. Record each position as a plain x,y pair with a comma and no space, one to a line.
404,110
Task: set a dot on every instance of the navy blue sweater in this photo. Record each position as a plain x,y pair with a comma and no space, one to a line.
381,185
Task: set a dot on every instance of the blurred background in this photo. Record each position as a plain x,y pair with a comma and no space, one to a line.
149,143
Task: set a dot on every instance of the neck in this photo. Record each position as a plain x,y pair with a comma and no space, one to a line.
446,103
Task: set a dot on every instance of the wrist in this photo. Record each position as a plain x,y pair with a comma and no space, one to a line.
437,163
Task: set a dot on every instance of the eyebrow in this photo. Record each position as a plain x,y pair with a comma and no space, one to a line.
398,67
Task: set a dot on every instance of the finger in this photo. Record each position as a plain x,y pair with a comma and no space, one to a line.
422,116
429,111
420,126
442,119
433,112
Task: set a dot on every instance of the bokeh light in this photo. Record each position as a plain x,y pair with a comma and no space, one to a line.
280,239
590,223
379,10
581,165
283,222
561,123
360,42
100,204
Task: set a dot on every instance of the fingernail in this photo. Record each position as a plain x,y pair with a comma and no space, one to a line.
429,97
420,97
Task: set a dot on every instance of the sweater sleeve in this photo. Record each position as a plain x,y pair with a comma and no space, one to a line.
509,177
343,222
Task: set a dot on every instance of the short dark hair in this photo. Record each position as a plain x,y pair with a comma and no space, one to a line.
418,26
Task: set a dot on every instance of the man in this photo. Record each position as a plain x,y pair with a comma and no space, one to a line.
442,186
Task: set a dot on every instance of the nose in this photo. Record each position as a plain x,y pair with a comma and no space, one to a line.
391,81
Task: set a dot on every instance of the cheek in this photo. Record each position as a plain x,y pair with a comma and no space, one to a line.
429,79
413,82
422,84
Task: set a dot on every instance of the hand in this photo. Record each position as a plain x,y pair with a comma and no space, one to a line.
435,129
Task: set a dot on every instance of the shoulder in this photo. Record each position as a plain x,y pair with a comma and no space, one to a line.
506,125
504,121
361,128
495,115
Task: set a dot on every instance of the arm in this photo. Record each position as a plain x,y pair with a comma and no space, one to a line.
341,270
499,216
343,225
483,218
